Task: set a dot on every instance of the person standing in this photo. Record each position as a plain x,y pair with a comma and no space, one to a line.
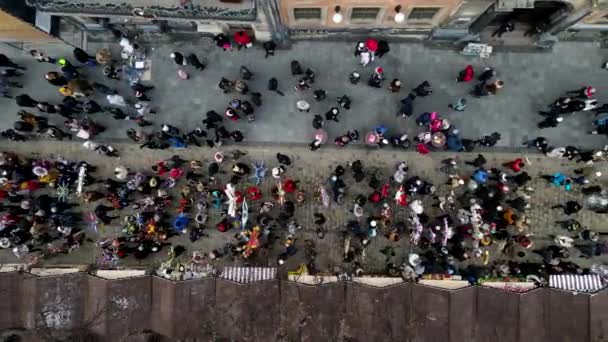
360,48
395,86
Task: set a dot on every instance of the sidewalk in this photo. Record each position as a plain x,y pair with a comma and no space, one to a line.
532,81
312,169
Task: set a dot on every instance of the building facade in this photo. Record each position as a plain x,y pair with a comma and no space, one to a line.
205,16
417,16
438,19
292,19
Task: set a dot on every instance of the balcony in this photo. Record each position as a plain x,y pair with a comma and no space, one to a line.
242,10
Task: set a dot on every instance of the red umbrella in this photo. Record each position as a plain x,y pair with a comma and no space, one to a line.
371,44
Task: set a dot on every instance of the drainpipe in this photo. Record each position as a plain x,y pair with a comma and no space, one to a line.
279,32
569,19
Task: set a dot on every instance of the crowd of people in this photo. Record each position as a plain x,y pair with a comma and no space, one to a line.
473,212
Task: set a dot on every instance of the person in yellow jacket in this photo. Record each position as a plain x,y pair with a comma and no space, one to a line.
66,91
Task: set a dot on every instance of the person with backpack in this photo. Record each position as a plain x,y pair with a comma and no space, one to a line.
273,85
193,60
296,68
466,75
269,48
246,74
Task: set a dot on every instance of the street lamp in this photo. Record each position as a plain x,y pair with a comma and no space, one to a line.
399,16
337,18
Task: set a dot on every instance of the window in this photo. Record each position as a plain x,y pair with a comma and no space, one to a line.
423,13
364,13
307,13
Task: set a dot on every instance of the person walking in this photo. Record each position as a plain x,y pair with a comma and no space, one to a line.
366,57
54,133
243,39
283,159
332,114
478,162
193,60
83,57
178,58
320,95
317,122
359,48
8,63
25,100
56,79
516,164
459,105
540,143
569,207
466,75
586,92
395,86
344,101
551,121
269,48
42,57
222,41
508,26
407,106
383,48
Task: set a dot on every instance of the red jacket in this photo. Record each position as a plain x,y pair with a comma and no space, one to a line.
242,38
468,74
517,164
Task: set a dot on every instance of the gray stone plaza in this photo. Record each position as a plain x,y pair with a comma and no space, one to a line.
532,81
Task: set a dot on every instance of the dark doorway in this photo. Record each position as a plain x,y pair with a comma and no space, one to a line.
543,12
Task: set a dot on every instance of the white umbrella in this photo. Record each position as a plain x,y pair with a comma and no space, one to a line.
245,214
229,191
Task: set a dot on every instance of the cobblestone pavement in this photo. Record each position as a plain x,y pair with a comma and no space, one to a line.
312,169
532,81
